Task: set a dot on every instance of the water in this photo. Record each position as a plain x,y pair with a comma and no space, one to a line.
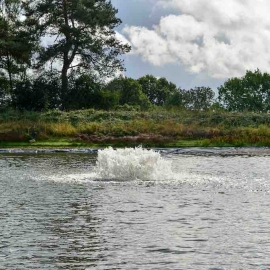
213,212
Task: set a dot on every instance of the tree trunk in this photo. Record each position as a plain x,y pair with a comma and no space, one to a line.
66,63
64,88
67,60
9,69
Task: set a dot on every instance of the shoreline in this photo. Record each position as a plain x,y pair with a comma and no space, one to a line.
121,143
196,151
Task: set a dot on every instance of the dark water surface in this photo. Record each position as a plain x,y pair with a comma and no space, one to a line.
214,213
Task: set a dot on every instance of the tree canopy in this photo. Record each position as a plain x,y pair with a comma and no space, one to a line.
158,90
249,93
130,92
16,44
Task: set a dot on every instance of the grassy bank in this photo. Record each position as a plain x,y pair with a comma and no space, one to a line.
160,128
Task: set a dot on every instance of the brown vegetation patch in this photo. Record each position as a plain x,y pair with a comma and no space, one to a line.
12,137
141,138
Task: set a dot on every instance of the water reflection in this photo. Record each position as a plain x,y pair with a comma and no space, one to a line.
78,236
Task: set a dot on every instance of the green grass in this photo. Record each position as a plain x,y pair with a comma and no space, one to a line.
177,144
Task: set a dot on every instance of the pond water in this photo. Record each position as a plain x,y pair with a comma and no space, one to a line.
212,212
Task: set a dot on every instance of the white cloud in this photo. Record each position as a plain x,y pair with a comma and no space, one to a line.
217,37
150,45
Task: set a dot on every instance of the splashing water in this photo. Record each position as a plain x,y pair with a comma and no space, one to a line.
131,164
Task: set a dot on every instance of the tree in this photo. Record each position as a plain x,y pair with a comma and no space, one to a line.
157,90
130,92
3,89
108,100
199,98
41,93
249,93
83,92
84,36
177,99
15,42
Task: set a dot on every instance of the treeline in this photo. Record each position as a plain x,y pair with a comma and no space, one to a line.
44,93
249,93
71,71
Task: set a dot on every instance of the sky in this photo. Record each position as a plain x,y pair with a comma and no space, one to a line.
195,42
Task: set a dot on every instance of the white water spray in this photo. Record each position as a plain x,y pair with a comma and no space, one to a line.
131,164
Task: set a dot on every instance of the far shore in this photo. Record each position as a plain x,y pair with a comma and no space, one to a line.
157,128
64,143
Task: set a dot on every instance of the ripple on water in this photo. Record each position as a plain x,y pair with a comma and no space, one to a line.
57,213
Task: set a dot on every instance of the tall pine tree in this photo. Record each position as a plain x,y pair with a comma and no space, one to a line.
83,33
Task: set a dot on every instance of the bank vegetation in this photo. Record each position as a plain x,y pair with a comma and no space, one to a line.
159,128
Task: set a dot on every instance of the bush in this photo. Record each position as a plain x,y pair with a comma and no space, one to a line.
130,92
38,94
84,93
129,108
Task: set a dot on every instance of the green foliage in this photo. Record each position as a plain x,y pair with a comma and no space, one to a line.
16,44
249,93
37,94
199,98
130,92
108,100
83,92
157,90
86,92
176,99
3,90
128,108
25,97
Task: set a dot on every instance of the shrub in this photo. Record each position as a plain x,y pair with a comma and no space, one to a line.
38,94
